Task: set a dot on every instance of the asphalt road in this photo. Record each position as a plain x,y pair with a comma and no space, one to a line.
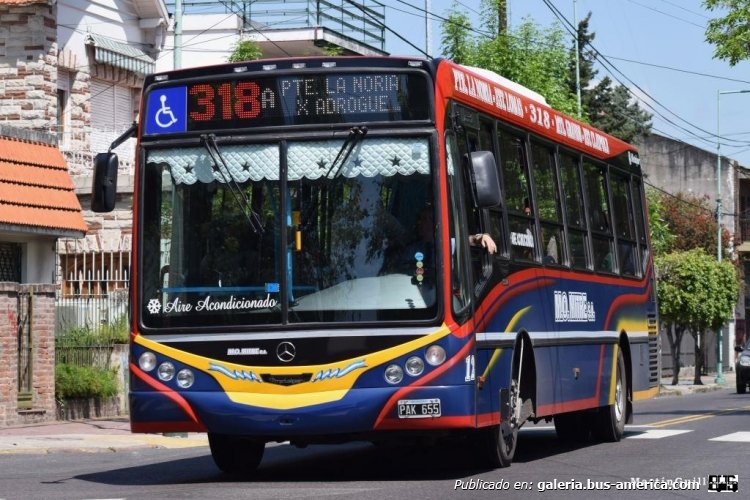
674,438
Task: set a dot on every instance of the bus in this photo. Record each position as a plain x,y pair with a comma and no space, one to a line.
330,249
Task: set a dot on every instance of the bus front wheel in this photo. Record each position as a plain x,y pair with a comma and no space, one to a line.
235,454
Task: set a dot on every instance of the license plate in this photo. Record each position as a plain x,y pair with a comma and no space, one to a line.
418,408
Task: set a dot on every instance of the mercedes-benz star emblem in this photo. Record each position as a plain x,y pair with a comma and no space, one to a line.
286,351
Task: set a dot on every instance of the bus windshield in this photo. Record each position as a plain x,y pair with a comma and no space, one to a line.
356,243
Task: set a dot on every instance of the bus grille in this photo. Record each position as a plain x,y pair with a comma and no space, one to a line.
653,351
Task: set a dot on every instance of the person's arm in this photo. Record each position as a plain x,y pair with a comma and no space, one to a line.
483,240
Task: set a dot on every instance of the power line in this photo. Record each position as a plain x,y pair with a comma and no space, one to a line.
666,14
671,68
377,22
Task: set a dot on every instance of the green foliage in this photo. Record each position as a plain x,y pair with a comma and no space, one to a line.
662,239
729,34
695,291
332,50
84,382
532,56
114,333
245,50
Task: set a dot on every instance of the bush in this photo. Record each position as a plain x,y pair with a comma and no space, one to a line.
73,381
84,336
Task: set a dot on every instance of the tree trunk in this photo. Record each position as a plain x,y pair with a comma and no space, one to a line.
699,347
674,336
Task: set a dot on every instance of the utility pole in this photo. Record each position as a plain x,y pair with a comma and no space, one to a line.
177,54
578,65
428,27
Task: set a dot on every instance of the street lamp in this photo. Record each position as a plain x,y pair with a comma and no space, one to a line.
719,365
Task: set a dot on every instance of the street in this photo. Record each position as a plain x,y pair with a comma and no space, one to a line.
673,438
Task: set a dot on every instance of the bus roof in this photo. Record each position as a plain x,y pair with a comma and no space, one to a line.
495,95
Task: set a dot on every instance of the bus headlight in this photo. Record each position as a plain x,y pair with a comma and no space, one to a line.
414,366
147,361
394,374
166,371
435,355
185,378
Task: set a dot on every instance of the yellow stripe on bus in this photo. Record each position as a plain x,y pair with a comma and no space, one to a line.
325,389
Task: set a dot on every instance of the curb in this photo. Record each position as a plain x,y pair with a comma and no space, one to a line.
94,443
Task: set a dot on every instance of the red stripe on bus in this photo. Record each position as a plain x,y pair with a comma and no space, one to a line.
171,394
627,299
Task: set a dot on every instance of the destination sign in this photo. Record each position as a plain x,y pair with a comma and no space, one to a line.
287,100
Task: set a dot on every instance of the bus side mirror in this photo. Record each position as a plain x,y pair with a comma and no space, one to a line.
486,186
104,187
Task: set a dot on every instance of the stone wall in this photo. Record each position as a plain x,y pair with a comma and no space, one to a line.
42,320
28,65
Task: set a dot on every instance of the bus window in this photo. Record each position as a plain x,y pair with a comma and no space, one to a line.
574,210
460,289
548,202
496,226
640,222
622,208
602,244
517,197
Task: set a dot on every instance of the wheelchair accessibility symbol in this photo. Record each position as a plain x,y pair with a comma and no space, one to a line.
167,111
164,117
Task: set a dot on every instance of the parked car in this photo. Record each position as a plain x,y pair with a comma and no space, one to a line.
742,367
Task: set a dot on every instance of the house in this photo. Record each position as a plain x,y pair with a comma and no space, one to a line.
37,206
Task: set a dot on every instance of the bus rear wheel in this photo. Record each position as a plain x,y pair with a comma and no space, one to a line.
235,455
609,422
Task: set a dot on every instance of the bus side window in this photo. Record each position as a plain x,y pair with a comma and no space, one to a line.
548,203
602,243
521,223
640,224
622,208
459,281
574,210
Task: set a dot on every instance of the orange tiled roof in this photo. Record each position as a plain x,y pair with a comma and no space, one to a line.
35,187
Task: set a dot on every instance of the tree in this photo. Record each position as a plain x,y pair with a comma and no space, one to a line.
245,50
662,238
606,106
729,34
696,294
692,222
532,56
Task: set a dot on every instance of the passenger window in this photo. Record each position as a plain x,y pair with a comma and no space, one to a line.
574,211
521,220
602,243
622,208
548,201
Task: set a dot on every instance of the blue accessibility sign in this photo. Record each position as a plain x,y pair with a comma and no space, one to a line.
166,111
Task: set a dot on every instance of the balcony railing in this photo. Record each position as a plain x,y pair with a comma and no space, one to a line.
359,20
79,145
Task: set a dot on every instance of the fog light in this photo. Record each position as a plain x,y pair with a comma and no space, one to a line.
147,361
185,378
394,374
435,355
166,371
414,366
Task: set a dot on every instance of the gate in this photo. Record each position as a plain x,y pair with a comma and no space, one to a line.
25,350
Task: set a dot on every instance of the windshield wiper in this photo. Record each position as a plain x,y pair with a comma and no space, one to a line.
209,142
356,134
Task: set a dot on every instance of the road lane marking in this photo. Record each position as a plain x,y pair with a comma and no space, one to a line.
735,437
654,433
693,418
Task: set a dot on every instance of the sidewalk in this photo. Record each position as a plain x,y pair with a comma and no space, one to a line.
91,436
685,385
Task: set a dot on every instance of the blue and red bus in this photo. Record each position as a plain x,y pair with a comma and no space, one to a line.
333,249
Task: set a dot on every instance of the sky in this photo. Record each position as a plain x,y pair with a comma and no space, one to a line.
640,38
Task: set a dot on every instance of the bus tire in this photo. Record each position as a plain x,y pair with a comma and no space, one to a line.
235,455
573,427
609,421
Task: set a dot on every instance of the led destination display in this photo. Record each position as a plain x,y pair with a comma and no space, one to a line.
288,100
